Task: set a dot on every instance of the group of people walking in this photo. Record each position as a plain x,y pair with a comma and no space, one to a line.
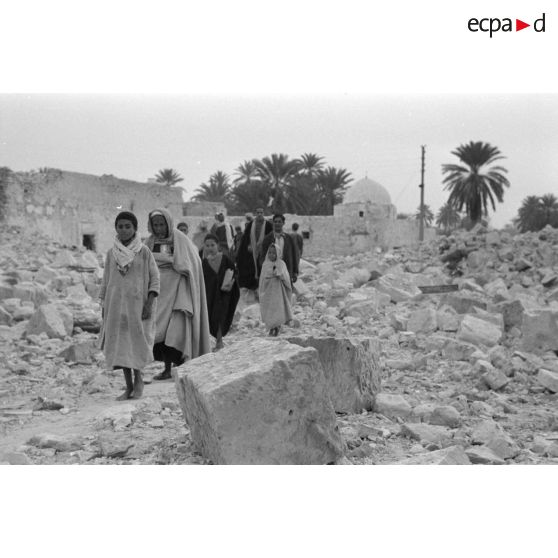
162,299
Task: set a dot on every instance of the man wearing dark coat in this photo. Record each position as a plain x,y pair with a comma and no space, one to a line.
249,259
287,248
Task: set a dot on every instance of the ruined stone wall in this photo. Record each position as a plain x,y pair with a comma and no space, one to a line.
68,205
350,235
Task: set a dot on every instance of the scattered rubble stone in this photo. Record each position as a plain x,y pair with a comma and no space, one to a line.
430,352
426,433
491,434
54,320
539,331
15,458
54,442
453,455
478,332
445,415
495,379
81,352
483,455
392,406
548,379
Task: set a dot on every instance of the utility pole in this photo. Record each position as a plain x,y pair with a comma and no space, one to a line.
421,186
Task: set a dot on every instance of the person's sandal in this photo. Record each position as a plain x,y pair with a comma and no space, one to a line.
163,376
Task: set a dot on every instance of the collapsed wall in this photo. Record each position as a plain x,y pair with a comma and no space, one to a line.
79,209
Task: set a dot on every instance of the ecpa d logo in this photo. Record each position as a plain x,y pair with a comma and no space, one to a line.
492,25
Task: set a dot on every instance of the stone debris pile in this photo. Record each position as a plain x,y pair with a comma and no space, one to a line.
469,376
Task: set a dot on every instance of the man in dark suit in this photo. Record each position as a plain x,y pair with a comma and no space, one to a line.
287,248
248,259
297,237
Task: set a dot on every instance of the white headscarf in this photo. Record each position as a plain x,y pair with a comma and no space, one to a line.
124,255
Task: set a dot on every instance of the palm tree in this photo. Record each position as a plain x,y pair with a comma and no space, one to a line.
310,164
549,208
448,217
246,173
168,177
278,172
529,215
428,215
536,212
470,185
248,196
216,191
332,184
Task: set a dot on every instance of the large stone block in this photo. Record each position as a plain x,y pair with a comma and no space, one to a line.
512,312
453,349
462,303
426,433
81,352
55,320
351,368
540,331
497,288
398,287
548,379
45,274
260,402
64,258
364,303
478,332
477,259
31,291
492,435
392,406
447,319
423,320
5,317
88,318
6,290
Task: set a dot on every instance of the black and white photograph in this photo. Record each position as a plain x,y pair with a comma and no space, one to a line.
238,234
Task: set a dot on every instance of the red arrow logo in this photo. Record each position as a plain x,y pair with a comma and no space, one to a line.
519,25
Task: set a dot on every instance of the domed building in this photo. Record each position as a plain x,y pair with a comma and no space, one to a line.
366,198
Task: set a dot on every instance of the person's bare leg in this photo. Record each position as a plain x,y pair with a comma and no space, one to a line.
138,384
219,345
129,385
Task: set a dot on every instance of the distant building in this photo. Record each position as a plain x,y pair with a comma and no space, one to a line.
365,220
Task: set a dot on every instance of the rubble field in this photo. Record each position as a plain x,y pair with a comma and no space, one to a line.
465,377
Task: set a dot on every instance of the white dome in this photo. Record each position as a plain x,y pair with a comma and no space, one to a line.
366,190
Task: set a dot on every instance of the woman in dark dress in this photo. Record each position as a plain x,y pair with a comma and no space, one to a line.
221,303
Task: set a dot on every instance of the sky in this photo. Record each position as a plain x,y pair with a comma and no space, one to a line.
132,136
